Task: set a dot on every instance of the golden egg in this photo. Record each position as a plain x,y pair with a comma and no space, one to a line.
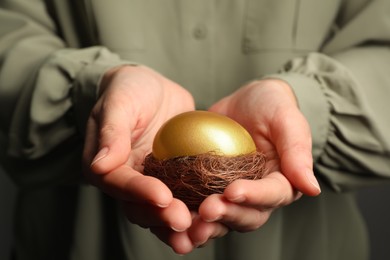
199,132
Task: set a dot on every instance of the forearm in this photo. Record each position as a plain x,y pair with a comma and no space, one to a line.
344,99
343,94
46,93
42,81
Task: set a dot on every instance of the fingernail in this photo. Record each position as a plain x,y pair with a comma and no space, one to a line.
312,179
162,205
177,229
100,155
238,199
213,220
200,244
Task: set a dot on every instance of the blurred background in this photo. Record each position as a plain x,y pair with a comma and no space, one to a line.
374,203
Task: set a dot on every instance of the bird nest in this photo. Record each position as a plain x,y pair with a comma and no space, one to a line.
193,178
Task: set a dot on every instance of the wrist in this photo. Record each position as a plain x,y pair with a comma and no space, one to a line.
109,75
281,85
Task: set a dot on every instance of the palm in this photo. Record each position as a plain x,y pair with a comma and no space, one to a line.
269,111
132,107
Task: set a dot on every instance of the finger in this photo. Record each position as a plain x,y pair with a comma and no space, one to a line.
221,107
124,183
237,217
178,241
115,124
201,232
176,216
293,143
273,191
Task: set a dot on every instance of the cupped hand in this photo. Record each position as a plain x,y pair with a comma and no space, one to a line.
269,111
134,101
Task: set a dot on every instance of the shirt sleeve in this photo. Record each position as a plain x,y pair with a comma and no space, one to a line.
344,94
46,88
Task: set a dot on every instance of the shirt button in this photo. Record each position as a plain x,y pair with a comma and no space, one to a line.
200,32
247,45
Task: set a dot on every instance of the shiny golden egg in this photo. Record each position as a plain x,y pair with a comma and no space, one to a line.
199,132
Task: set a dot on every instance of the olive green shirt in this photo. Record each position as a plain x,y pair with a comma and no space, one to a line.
334,54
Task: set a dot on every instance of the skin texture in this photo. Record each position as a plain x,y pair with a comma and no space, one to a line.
135,101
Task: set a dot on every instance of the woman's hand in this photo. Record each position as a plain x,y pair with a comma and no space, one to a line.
269,111
134,102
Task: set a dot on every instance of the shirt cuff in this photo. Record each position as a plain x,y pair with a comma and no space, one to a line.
86,86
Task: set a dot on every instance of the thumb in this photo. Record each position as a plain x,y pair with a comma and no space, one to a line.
294,146
114,140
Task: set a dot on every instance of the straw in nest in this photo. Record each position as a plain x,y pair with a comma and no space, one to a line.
193,178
